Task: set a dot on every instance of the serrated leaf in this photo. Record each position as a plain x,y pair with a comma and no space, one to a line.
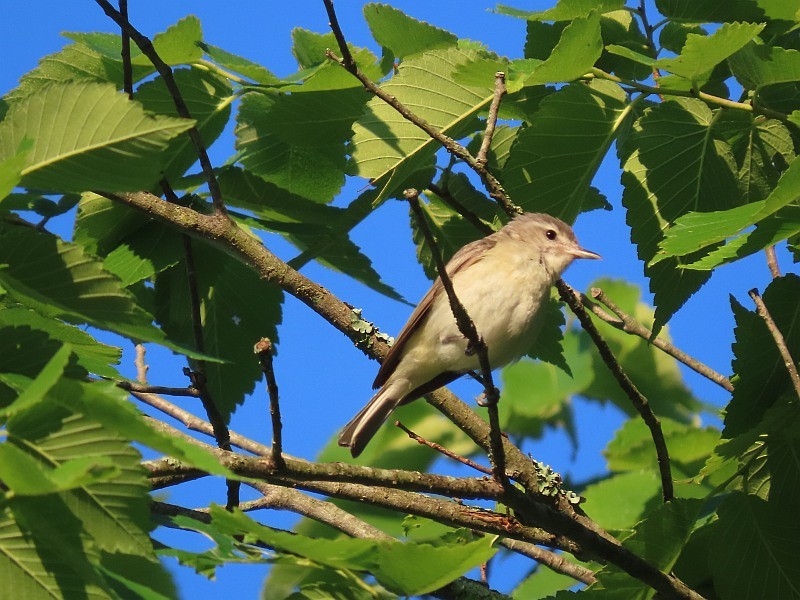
309,47
178,45
89,125
673,35
755,66
575,54
402,35
208,98
754,554
297,141
553,161
69,284
90,354
762,376
387,149
674,165
237,307
317,230
238,64
702,53
564,10
696,230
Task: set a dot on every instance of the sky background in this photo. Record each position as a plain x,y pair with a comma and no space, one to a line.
323,379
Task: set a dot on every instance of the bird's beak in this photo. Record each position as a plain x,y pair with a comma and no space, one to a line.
579,252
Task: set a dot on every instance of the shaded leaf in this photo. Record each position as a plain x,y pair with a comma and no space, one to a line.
755,65
238,64
564,10
11,170
578,48
553,161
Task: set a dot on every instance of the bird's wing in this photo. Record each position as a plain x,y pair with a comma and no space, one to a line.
466,256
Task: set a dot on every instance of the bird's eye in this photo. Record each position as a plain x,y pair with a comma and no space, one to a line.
551,234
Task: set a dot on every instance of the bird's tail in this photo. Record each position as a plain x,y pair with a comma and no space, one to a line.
360,430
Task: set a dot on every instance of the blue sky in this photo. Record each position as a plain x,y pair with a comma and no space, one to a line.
323,379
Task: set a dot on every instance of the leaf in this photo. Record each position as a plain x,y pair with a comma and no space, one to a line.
11,169
553,161
674,164
755,66
711,11
96,57
754,554
387,149
762,376
133,247
618,502
309,47
620,29
564,10
405,568
577,50
694,231
314,228
702,53
297,141
237,307
40,386
179,44
89,126
68,284
237,64
402,35
673,35
206,95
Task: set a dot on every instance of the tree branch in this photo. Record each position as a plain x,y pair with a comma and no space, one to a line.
551,560
476,344
780,341
491,121
641,404
439,448
772,262
628,324
264,350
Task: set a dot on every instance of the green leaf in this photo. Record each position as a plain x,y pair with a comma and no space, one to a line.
577,50
502,141
69,284
673,35
702,53
309,47
89,125
90,354
96,57
755,66
564,10
711,11
40,386
237,64
541,38
297,141
11,169
675,164
620,501
542,583
402,35
754,554
405,568
553,161
697,230
762,376
178,45
387,149
621,30
237,307
208,98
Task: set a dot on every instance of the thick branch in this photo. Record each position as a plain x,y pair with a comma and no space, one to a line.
628,324
641,404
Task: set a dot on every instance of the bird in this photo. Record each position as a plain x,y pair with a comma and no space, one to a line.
503,281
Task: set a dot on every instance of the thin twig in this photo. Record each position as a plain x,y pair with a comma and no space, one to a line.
554,562
476,344
453,203
780,341
638,400
494,187
628,324
125,54
140,364
439,448
772,262
491,121
146,46
158,389
263,349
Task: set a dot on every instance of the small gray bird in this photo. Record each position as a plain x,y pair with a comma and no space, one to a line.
503,281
